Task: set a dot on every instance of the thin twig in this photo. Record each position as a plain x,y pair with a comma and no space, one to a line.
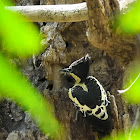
125,90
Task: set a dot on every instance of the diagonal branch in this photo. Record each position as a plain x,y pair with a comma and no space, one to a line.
53,13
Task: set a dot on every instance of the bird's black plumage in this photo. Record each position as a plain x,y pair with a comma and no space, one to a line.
89,96
93,94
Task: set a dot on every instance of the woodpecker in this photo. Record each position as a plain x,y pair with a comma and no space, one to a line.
88,95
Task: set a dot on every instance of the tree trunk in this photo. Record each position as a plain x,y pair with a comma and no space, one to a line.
65,42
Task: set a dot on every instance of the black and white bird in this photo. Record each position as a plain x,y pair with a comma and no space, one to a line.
88,95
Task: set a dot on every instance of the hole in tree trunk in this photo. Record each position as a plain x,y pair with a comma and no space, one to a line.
50,87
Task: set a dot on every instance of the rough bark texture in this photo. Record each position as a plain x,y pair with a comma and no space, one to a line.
102,35
66,42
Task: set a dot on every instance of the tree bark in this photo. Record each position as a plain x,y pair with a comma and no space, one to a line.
102,35
67,42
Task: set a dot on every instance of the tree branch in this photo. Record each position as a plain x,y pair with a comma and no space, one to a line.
53,13
56,13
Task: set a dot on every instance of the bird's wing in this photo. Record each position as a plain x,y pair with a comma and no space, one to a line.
89,101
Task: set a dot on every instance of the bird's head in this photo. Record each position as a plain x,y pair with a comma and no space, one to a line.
78,69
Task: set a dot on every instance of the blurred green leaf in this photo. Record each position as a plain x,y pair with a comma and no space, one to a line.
133,85
21,39
135,135
130,22
7,2
15,86
133,94
132,135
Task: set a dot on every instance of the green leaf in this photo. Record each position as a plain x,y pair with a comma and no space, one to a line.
133,94
130,22
20,38
132,84
131,135
15,86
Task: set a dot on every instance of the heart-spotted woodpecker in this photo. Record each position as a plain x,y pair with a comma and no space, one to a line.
88,96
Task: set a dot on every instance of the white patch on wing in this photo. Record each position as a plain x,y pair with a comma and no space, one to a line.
85,108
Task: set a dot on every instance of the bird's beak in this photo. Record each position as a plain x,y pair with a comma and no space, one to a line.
65,70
